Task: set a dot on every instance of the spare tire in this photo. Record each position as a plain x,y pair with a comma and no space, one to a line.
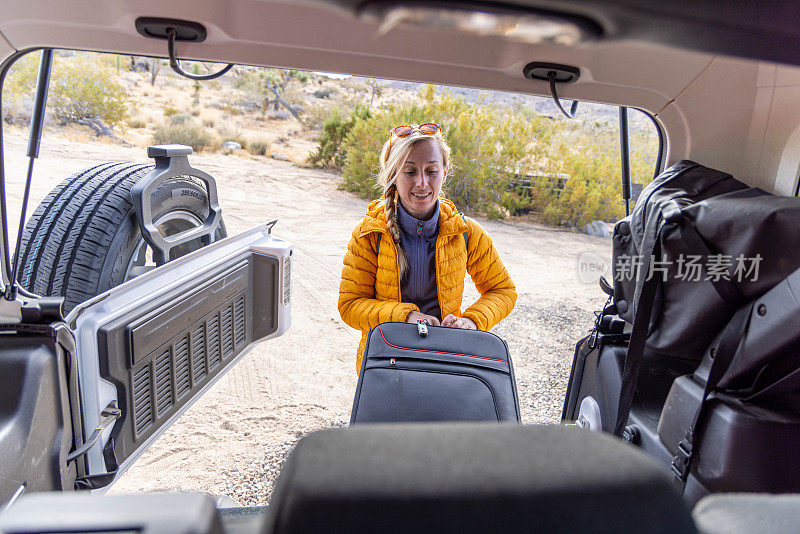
84,238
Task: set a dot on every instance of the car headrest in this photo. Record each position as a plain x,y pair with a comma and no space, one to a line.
472,478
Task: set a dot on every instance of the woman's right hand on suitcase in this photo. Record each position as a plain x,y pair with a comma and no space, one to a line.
415,317
459,322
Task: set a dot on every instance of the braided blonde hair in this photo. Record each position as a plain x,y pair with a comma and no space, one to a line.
393,155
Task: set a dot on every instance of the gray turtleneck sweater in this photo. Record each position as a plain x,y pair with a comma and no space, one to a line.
418,239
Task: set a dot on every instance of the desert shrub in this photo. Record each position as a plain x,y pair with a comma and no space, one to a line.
232,109
258,146
330,151
21,77
593,190
572,168
323,93
180,118
232,131
643,155
489,148
279,115
341,99
81,86
137,122
17,93
299,75
85,86
322,110
169,111
188,132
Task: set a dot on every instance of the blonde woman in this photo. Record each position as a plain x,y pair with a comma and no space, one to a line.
407,259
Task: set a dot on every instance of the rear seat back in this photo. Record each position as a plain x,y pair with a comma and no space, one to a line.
472,478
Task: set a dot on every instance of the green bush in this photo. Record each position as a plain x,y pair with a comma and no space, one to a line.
85,87
489,147
573,167
18,87
169,111
593,191
81,86
187,132
331,150
300,75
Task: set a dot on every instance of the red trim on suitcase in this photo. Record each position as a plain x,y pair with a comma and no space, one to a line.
438,351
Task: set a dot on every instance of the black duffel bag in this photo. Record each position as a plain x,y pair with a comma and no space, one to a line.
698,245
637,239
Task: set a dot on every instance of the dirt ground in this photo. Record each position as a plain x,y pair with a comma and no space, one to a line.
231,440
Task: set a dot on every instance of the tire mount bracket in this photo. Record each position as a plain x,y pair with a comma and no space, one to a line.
172,162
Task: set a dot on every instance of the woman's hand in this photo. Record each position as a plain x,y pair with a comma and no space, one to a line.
459,322
415,317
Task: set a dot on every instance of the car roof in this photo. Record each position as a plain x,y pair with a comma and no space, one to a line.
676,61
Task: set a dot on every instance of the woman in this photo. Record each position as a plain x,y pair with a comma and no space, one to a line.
407,259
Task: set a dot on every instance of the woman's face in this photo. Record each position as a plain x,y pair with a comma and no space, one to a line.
419,180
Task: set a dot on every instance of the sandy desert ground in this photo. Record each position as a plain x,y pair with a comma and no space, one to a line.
231,441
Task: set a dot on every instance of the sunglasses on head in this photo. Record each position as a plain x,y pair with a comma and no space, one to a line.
404,130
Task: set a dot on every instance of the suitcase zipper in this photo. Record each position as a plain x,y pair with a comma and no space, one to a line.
437,351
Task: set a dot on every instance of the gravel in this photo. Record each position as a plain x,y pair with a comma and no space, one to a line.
541,338
253,485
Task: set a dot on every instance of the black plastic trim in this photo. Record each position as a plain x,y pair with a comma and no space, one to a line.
35,411
156,361
540,71
159,28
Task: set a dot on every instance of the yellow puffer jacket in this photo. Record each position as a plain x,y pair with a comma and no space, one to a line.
369,293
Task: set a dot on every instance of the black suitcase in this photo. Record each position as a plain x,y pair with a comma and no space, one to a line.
444,374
